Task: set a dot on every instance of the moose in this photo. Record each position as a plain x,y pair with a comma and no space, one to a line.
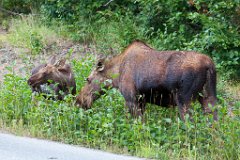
165,78
53,77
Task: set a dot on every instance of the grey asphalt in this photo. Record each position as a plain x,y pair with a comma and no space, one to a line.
23,148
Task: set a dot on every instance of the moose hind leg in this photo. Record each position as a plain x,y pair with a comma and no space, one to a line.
208,99
207,104
183,106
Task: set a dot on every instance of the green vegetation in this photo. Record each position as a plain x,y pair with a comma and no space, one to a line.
108,126
209,27
29,33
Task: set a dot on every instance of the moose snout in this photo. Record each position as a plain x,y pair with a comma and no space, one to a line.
30,81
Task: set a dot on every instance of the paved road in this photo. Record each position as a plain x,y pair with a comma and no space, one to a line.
23,148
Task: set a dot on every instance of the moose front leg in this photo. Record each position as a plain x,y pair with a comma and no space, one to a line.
134,109
141,103
130,95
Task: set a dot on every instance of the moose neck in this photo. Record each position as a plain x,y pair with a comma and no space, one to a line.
112,69
113,65
61,78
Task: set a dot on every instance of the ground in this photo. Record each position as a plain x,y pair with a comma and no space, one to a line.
22,61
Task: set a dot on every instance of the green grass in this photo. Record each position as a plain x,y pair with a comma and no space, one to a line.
31,33
108,126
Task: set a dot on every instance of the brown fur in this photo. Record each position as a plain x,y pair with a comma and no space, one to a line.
144,75
54,75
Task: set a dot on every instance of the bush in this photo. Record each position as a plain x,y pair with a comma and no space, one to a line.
21,6
209,27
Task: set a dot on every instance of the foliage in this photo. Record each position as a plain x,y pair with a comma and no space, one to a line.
20,6
108,125
211,27
27,32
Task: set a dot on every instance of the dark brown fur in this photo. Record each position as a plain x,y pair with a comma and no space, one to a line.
53,76
144,75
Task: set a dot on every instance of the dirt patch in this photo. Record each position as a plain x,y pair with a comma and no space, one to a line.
2,31
20,61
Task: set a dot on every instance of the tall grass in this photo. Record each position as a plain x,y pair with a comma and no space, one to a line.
36,34
107,125
31,33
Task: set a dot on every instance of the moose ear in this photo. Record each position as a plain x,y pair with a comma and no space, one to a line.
100,68
100,65
52,60
60,63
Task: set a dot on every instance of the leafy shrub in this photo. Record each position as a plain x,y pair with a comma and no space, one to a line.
21,6
210,27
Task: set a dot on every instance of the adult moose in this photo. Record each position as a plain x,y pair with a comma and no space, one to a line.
144,75
56,76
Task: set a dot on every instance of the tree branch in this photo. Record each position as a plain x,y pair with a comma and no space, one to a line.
9,12
108,3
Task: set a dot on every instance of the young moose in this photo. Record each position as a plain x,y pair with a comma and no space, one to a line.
144,75
56,76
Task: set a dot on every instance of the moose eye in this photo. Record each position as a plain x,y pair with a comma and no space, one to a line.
44,73
88,80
